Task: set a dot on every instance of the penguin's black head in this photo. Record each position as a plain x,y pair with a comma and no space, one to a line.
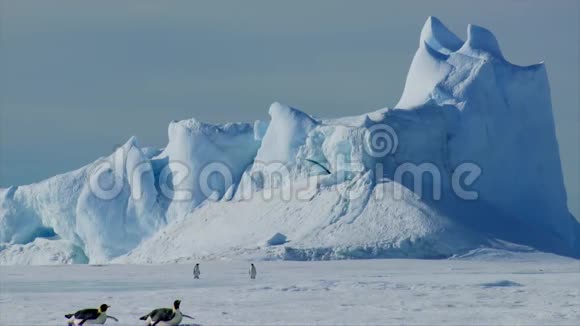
103,307
176,304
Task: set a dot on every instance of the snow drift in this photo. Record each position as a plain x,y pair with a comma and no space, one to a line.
467,159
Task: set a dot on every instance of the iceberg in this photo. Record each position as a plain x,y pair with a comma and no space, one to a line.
467,159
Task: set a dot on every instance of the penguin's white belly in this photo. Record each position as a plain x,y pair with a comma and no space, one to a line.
173,322
99,321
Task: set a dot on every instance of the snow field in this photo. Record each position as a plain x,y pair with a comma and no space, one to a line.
525,289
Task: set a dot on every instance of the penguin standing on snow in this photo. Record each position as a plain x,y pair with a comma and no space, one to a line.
165,316
90,316
252,272
196,271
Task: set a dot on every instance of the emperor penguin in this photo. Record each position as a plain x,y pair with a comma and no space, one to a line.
165,316
90,316
196,271
252,272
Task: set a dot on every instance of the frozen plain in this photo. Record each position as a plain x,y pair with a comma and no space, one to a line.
486,288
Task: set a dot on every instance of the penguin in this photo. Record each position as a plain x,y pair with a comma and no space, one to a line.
196,271
165,316
252,272
90,316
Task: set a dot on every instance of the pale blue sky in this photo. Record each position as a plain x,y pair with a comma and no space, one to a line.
80,77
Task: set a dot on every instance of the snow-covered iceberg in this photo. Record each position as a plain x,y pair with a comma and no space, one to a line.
467,159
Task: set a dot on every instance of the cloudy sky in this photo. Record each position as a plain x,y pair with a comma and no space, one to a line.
80,77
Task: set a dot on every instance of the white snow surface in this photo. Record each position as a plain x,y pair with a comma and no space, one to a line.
462,102
524,289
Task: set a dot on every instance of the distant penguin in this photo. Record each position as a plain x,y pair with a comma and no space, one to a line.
165,316
196,271
90,316
252,271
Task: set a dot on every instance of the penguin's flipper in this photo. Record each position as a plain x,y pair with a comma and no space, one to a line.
113,318
184,315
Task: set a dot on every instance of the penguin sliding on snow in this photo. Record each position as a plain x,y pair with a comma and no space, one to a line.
165,316
90,316
253,272
196,271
